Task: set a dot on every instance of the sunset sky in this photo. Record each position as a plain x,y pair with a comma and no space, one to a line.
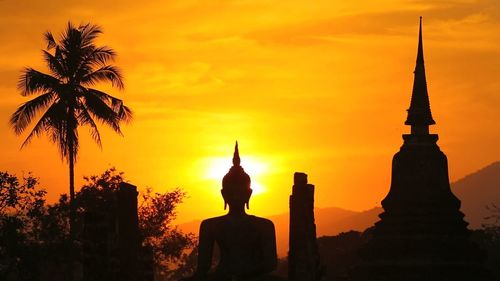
320,87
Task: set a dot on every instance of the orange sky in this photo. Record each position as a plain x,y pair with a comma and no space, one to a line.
315,86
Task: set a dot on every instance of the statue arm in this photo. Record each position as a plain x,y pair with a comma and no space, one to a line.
270,256
205,249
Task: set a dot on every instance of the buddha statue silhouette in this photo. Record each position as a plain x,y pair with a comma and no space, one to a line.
246,243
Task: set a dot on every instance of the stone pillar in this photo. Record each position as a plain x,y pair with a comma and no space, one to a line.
303,257
128,232
95,246
146,264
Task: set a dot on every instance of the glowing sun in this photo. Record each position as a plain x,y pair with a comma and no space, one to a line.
217,167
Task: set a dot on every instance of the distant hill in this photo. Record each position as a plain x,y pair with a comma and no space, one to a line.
329,221
475,191
478,190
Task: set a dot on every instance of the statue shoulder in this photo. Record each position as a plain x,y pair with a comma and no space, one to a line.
264,222
211,221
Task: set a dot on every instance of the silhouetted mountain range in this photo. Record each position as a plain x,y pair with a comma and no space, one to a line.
329,221
476,191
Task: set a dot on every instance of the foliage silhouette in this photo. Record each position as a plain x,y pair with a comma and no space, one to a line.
489,239
22,204
20,198
35,241
156,212
66,95
340,253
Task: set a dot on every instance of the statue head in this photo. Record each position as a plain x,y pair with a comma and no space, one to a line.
236,184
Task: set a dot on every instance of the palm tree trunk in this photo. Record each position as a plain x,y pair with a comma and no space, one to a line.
72,214
72,235
72,206
72,210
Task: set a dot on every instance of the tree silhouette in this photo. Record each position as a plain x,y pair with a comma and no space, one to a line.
66,95
22,203
156,212
34,236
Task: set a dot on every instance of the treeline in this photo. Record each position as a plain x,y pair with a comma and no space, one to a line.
35,242
339,254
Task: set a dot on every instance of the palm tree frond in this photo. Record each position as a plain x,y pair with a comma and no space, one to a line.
42,125
33,81
124,113
62,130
102,55
89,33
21,118
71,137
102,111
53,123
63,142
106,73
51,42
84,118
54,64
93,57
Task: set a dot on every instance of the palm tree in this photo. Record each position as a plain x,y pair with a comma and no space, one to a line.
65,97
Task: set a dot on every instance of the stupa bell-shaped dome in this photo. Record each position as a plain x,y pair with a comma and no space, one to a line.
236,180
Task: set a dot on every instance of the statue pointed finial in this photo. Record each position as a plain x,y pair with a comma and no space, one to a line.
419,113
236,156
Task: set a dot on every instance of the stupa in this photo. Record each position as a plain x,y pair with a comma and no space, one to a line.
421,234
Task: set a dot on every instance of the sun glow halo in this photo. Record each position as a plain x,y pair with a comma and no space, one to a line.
217,167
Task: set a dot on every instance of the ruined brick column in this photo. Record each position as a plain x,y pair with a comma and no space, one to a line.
95,247
303,257
128,232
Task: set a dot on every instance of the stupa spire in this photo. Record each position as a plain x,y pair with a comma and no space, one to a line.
419,113
236,156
